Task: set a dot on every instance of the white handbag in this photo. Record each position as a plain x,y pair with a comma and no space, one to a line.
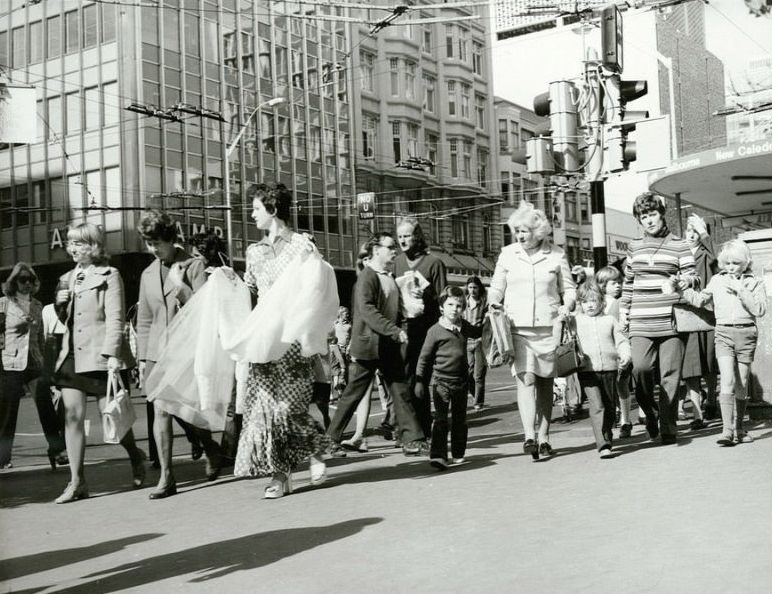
118,415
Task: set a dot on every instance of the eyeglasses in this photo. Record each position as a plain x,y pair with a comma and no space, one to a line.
25,279
76,243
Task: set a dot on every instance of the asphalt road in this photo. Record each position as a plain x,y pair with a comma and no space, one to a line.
688,518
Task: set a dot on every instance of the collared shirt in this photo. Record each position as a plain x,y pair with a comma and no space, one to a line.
448,326
729,307
271,247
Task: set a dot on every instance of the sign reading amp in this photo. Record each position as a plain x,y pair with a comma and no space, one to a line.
59,236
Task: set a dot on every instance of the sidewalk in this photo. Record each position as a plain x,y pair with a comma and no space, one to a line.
687,518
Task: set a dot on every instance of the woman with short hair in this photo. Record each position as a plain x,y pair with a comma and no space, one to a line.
532,283
657,265
93,344
22,363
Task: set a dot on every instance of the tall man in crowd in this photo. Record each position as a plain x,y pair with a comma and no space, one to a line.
377,343
421,277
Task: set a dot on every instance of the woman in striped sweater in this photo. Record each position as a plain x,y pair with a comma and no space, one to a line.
657,264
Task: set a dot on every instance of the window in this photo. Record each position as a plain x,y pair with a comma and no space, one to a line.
482,168
90,25
264,57
514,134
38,202
6,206
525,136
410,68
460,231
477,57
35,42
19,47
396,141
192,37
583,209
465,101
504,135
394,75
452,99
505,186
479,109
22,205
453,145
366,69
108,22
431,141
435,224
170,24
448,41
315,144
247,53
92,103
4,47
281,62
112,197
430,104
467,162
71,31
54,30
463,41
412,140
112,103
267,132
426,44
73,107
54,117
487,235
297,69
369,137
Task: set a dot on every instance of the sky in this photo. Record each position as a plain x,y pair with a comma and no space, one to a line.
732,34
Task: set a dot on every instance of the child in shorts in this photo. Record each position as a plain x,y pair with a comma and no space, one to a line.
738,298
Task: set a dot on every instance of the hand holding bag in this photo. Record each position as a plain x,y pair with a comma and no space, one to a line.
568,354
118,415
497,338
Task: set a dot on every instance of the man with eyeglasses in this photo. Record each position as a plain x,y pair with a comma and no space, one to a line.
377,343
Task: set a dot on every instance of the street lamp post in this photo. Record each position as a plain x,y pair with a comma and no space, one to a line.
227,182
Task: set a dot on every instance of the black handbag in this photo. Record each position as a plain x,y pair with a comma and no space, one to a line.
568,354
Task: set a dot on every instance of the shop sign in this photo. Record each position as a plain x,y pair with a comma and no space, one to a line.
59,236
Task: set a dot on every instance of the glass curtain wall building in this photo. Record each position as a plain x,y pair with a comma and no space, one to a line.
180,59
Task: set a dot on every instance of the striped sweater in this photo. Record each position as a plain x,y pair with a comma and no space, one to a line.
650,261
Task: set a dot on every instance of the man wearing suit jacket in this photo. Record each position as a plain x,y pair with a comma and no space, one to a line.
377,343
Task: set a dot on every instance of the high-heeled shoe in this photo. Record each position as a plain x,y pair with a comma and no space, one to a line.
278,488
531,447
164,492
73,493
318,471
138,468
545,449
355,444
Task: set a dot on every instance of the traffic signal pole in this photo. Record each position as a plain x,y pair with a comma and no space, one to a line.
598,210
594,162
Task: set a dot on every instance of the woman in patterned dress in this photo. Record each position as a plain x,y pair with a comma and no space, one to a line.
278,432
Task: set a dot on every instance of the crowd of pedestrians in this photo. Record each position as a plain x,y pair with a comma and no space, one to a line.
409,334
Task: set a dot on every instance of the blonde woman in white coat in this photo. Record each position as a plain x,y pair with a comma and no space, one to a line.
532,283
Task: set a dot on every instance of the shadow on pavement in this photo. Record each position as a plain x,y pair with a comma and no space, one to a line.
217,559
47,560
22,487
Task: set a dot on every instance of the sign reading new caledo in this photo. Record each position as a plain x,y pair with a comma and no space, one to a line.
719,155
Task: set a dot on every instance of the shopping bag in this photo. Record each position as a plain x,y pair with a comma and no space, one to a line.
687,318
497,338
568,354
118,415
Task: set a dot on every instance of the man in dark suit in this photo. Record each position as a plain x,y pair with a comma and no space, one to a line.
377,343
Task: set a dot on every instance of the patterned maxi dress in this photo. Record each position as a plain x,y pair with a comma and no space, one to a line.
278,431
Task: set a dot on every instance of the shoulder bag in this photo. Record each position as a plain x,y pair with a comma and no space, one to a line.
568,354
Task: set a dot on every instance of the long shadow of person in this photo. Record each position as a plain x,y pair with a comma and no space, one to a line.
48,560
217,559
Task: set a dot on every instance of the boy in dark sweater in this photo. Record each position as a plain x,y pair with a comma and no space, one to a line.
442,366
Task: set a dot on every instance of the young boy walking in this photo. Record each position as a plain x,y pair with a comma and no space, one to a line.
442,366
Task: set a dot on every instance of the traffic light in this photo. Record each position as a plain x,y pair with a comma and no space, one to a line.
619,121
536,156
611,38
560,104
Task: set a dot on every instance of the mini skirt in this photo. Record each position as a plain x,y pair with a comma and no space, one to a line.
91,382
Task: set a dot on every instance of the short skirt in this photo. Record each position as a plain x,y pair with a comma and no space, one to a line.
91,382
534,350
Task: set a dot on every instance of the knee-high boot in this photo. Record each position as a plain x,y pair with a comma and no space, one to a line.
727,403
